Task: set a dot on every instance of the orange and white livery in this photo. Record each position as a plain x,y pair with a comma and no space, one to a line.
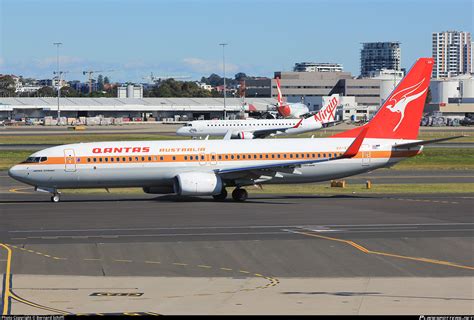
206,167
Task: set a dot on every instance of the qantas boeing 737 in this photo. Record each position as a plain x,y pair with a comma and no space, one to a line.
261,128
206,167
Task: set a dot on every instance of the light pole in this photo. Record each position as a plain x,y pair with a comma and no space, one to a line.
57,44
223,67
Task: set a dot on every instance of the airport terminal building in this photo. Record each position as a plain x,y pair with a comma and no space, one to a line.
160,109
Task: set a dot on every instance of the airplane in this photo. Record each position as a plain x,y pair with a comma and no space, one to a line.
207,167
261,128
289,110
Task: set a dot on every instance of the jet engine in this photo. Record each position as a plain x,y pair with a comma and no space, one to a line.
197,184
244,135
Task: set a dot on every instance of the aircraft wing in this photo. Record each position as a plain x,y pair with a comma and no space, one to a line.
256,172
257,134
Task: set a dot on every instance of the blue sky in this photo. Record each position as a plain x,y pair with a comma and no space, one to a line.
181,37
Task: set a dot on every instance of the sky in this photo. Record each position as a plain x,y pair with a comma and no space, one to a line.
181,37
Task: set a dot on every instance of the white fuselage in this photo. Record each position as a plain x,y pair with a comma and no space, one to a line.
237,127
157,163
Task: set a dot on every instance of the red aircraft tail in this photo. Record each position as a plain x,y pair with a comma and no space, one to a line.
400,115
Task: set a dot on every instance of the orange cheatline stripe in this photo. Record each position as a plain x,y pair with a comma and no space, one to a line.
209,157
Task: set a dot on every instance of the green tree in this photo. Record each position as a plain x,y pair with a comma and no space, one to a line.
106,80
46,92
7,86
69,92
100,82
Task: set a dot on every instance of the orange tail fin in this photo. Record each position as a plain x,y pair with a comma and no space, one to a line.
399,117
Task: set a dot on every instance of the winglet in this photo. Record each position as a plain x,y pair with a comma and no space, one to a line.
355,145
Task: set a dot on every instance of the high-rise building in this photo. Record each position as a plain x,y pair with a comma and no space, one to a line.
451,53
375,56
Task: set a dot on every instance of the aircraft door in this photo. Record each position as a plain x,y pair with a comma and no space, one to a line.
365,155
69,160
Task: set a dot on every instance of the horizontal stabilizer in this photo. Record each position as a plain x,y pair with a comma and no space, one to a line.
421,143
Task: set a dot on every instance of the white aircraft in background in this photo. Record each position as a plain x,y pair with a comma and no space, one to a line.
207,167
261,128
289,110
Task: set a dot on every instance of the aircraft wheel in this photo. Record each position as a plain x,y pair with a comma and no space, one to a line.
221,196
240,194
55,198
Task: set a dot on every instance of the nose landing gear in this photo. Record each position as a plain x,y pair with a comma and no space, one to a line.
55,198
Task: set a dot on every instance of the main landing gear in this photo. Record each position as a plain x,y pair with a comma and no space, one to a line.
238,194
221,196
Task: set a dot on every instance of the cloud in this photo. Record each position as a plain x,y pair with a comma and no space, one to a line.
66,61
208,66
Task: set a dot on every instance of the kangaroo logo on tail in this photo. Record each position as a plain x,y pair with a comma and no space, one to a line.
399,101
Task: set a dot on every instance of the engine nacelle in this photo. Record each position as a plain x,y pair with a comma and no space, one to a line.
244,135
159,190
197,184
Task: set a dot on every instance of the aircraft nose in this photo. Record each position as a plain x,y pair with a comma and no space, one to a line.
13,172
182,131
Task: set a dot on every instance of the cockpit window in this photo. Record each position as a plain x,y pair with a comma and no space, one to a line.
188,125
35,159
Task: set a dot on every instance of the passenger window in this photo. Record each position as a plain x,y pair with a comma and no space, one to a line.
266,156
130,159
261,156
111,159
202,157
174,158
185,158
297,155
213,157
161,158
238,156
118,159
88,159
284,155
106,159
324,155
95,159
143,158
136,159
124,159
291,156
227,157
149,158
100,159
232,156
273,156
